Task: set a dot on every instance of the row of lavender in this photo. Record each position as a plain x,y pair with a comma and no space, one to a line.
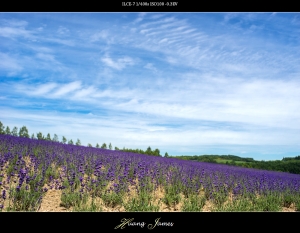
31,167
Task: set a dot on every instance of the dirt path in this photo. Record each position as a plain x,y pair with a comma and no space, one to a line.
51,202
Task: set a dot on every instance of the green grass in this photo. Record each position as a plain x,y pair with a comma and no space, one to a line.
224,161
193,204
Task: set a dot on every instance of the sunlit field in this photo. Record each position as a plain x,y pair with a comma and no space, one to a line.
41,175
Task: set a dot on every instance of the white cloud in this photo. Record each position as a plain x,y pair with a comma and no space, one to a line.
60,41
150,66
63,31
140,17
67,88
100,35
43,89
46,57
85,93
118,64
14,32
133,131
258,103
15,23
8,63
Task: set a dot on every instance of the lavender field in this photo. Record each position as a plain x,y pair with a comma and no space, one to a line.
40,175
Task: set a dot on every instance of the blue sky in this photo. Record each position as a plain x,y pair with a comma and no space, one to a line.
185,83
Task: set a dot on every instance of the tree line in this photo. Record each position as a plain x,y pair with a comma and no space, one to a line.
213,158
148,151
290,164
23,132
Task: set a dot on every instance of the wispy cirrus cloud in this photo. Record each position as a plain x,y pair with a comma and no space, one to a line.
140,17
12,32
119,63
43,89
9,63
14,28
100,35
63,31
223,101
67,88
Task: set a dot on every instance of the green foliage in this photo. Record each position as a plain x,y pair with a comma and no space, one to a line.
288,199
110,146
84,207
104,146
141,203
155,152
48,137
7,130
268,202
194,203
24,200
50,171
219,198
64,140
148,151
237,205
291,158
70,142
2,131
32,136
297,204
166,155
97,145
24,132
89,145
14,132
172,196
55,138
78,143
73,199
291,165
39,136
112,199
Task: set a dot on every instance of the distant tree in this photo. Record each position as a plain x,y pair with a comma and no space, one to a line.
117,148
148,151
104,146
110,146
39,136
48,137
32,136
97,145
64,140
14,132
232,163
78,143
157,152
24,132
166,155
90,145
55,138
7,130
2,131
70,142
